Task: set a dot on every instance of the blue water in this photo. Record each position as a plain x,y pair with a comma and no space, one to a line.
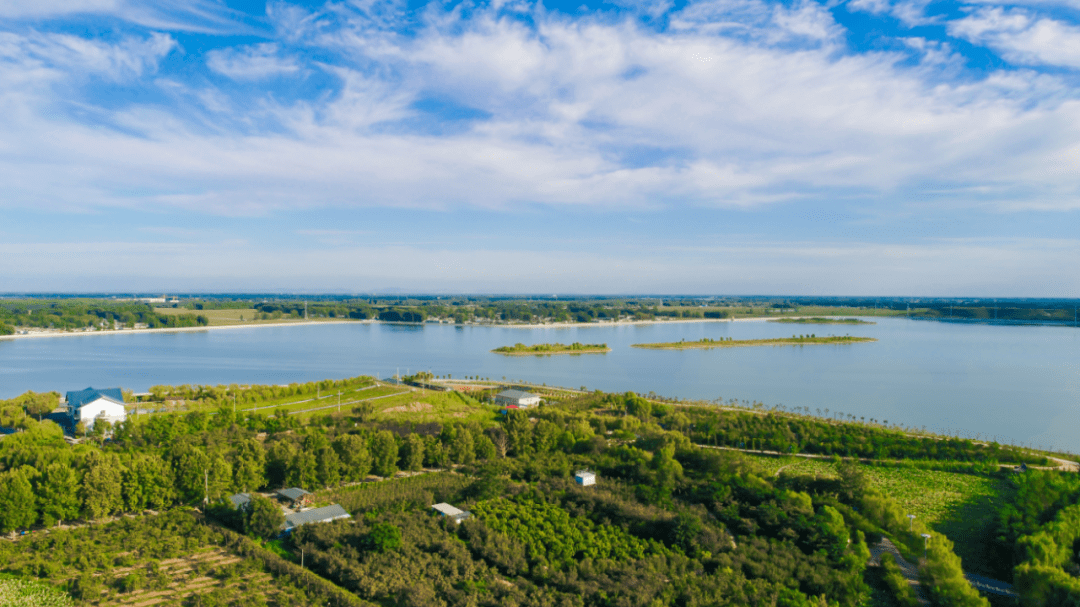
1011,383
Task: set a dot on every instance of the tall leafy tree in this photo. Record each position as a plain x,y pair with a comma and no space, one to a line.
264,518
101,490
248,465
412,452
17,507
354,455
384,454
191,465
148,483
58,493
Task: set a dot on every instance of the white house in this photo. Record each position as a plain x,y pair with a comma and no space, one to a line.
585,478
517,398
90,405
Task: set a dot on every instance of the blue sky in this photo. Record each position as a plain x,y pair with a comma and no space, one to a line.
870,147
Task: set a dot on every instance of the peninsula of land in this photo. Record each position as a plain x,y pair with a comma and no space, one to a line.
543,349
817,320
799,340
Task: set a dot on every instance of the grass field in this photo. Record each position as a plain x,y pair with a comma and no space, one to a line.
246,316
960,506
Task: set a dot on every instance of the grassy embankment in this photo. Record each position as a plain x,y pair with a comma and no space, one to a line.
817,320
377,401
963,507
804,340
243,316
556,348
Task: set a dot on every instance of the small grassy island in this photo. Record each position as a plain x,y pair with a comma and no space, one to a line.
817,320
540,349
794,340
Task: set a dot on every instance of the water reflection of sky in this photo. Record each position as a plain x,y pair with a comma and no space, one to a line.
1013,383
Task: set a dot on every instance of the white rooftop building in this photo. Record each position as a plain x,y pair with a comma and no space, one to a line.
90,405
585,478
517,398
451,512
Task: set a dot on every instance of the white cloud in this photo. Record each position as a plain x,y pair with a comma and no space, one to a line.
252,62
1022,37
581,112
204,16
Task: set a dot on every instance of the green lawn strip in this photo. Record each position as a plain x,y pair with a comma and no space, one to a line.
425,407
736,343
325,399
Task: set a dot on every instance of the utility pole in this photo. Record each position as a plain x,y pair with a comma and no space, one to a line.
339,401
206,487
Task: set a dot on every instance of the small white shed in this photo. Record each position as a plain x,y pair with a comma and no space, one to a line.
585,478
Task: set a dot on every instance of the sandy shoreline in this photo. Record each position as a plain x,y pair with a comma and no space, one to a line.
568,325
179,329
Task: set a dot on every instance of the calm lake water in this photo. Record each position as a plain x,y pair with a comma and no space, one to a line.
1015,383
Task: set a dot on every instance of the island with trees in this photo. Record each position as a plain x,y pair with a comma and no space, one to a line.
821,320
794,340
556,348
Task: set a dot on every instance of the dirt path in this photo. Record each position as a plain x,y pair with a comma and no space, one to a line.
909,570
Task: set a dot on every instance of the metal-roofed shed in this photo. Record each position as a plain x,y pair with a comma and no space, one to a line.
518,398
325,514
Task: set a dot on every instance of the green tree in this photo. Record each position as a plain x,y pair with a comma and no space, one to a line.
192,466
102,488
384,452
462,448
264,518
354,456
384,537
519,431
148,483
248,465
17,509
302,470
327,466
412,452
58,494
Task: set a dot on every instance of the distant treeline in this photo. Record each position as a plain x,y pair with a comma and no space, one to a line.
79,313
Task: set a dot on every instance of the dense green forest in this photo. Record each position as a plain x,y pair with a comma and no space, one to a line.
674,520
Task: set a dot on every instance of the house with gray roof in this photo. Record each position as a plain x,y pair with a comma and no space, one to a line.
293,495
89,405
240,501
325,514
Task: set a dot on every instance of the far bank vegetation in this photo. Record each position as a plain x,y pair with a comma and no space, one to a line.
794,340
